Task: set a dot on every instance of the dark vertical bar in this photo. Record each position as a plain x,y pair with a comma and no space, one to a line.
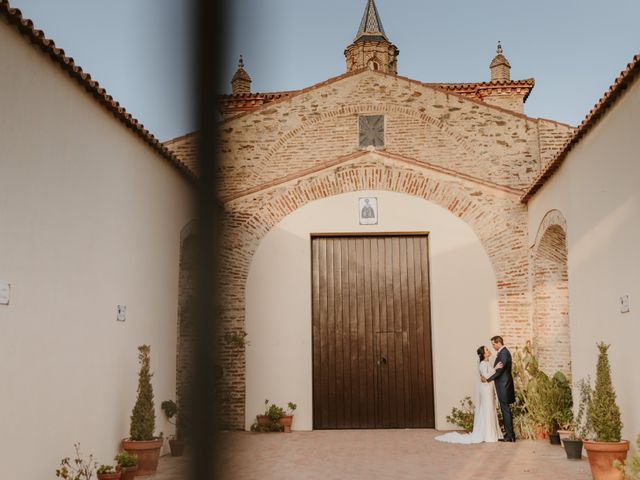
339,298
424,264
399,337
331,336
420,320
413,337
209,44
346,333
315,309
391,343
324,356
383,368
368,329
353,334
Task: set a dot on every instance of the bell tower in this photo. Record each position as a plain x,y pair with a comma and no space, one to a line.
371,48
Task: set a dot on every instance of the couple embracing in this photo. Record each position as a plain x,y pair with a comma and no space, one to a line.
494,377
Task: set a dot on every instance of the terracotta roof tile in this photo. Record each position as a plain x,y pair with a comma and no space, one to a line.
46,45
611,96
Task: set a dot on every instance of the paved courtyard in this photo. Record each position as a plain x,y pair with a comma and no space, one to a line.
382,454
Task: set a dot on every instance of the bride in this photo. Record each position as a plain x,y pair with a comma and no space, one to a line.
485,421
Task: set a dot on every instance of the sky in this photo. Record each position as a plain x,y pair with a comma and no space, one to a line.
140,50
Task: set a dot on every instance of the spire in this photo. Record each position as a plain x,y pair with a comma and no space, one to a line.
241,81
371,48
500,67
371,23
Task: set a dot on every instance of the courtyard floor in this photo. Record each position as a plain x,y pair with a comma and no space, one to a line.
382,454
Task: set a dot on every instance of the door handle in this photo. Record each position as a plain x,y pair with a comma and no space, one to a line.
384,361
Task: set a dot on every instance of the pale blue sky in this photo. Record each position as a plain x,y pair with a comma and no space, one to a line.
138,49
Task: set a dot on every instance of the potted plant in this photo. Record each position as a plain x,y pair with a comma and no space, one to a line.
560,406
287,419
176,444
463,417
142,442
604,419
268,421
78,468
127,464
107,472
580,424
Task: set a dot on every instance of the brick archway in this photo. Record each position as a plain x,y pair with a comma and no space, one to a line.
496,216
550,293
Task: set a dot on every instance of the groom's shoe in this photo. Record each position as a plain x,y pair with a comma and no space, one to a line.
503,440
512,439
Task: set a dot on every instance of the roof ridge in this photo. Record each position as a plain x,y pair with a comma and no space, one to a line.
37,37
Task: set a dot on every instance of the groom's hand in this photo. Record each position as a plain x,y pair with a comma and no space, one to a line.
499,365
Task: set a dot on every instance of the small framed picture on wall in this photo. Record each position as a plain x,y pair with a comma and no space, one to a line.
368,210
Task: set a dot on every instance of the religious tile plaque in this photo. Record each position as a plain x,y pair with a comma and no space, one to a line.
368,210
371,131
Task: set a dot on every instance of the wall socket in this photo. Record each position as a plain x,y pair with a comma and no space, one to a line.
122,313
624,304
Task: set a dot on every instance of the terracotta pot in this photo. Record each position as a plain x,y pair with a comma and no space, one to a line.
601,457
109,476
564,434
263,420
148,452
541,432
129,473
286,422
177,447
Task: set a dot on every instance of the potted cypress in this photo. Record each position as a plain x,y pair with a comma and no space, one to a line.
141,441
176,444
604,418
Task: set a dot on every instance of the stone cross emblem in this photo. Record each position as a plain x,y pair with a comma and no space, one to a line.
372,131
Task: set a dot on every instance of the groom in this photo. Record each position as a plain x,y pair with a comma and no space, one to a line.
504,385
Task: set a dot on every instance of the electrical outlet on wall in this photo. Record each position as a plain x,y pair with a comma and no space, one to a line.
624,304
122,313
5,293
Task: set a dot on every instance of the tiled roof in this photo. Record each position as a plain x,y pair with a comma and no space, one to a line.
243,102
626,77
37,37
482,89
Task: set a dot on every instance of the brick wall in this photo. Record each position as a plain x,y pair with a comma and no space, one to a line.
468,157
550,294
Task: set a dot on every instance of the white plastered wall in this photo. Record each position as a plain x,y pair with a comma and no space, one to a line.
90,218
278,317
597,189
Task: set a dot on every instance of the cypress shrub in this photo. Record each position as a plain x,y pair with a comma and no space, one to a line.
143,417
603,411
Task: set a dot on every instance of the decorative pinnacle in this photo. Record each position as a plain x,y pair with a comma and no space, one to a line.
498,50
241,62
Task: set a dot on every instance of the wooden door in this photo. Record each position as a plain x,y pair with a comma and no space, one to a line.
371,332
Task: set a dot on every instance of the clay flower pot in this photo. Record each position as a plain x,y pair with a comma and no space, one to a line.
541,432
129,473
564,434
263,420
148,452
601,457
109,476
286,422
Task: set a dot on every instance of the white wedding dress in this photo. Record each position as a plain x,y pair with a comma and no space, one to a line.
485,422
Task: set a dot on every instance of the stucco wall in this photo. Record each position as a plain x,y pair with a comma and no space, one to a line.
278,308
597,191
90,218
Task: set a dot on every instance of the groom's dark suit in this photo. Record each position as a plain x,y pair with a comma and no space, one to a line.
504,388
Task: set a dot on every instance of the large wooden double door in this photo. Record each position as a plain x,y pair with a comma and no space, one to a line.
371,332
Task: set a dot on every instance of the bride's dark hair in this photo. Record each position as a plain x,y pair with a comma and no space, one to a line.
480,353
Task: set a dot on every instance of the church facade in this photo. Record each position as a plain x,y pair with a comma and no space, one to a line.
364,321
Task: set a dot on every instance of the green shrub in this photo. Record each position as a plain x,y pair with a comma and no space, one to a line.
603,411
463,416
143,417
105,469
125,459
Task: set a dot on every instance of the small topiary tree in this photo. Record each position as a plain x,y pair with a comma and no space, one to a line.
603,411
143,417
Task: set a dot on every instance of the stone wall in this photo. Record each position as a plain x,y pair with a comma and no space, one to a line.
468,157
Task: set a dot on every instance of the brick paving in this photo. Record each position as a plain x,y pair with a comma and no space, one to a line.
382,454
